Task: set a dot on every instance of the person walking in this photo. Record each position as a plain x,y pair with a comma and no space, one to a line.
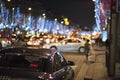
87,49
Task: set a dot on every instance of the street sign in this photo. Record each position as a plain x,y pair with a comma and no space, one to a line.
118,6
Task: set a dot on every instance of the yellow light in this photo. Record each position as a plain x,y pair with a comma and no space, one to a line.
42,33
65,19
66,23
37,36
13,34
26,35
76,32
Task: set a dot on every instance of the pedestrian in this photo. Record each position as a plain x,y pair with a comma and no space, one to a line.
87,49
107,43
98,42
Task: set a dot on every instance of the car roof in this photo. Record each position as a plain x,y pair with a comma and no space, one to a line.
28,51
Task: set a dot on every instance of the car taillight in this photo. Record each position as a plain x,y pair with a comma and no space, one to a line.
34,65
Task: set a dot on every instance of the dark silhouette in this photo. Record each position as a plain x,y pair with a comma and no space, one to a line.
87,49
0,45
107,44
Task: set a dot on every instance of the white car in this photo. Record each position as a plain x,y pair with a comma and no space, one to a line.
68,44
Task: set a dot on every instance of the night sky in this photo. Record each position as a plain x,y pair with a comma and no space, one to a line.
79,12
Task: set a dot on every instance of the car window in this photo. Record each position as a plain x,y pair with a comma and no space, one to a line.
76,41
69,40
59,61
22,61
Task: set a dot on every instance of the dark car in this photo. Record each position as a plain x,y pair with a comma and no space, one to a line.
34,64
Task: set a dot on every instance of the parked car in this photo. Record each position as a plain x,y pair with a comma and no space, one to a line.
34,64
68,44
5,42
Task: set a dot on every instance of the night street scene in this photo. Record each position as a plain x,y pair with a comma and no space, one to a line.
59,39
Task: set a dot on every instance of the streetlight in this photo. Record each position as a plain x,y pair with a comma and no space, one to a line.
93,0
44,15
55,19
62,22
29,8
8,0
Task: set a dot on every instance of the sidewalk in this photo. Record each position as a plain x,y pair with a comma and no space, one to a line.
96,68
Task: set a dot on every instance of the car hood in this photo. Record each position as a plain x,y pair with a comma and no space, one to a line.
10,74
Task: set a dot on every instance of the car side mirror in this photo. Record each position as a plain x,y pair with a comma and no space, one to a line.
71,63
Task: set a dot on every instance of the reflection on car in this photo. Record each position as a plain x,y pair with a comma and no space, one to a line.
68,44
34,64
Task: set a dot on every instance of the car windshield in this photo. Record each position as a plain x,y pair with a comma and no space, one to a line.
27,62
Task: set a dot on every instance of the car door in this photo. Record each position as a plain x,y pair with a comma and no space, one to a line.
72,44
68,45
60,68
61,45
76,43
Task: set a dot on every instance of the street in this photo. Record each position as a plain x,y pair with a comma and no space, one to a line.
77,58
94,70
